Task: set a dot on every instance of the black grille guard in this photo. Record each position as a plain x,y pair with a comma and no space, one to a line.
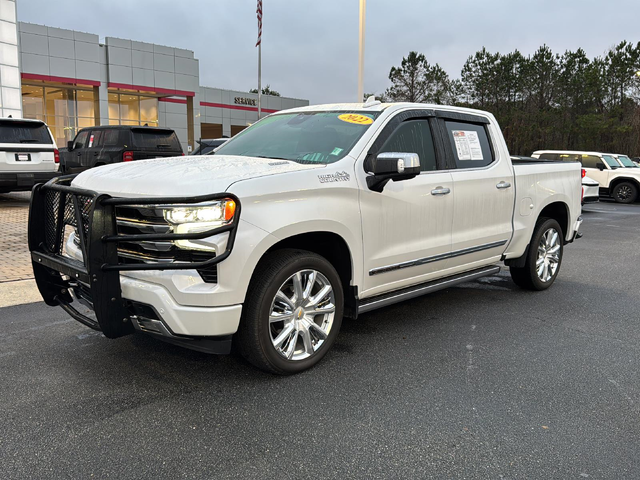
56,204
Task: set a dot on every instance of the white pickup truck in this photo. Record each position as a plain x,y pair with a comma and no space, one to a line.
306,217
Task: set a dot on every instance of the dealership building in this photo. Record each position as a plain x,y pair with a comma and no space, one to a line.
72,80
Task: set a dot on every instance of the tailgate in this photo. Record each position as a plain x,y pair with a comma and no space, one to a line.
32,158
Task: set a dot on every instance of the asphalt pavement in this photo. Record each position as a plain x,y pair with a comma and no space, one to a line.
479,381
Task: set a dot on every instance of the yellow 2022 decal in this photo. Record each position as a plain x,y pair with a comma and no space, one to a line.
357,119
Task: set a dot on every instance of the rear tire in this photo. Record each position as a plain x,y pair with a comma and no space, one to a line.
625,192
544,257
292,313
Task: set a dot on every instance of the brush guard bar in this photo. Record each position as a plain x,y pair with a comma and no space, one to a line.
56,204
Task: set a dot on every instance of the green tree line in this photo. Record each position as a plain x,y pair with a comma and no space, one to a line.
542,101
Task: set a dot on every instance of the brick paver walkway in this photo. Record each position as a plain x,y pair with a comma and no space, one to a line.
15,263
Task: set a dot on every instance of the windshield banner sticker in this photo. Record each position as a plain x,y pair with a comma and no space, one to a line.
467,145
334,177
354,118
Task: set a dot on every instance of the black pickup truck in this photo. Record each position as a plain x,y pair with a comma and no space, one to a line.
95,146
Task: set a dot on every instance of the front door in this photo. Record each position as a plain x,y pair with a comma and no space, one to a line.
407,227
484,198
75,158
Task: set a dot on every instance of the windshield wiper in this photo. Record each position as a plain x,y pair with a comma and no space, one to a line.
28,140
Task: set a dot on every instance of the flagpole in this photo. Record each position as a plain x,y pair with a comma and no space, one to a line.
363,8
260,81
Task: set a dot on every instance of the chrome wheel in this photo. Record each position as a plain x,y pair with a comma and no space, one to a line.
548,259
302,314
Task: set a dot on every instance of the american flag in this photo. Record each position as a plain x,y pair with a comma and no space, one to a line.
259,12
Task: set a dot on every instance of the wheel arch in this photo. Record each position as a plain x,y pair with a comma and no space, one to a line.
559,211
618,180
331,246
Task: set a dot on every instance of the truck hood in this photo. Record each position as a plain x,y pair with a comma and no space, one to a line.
180,176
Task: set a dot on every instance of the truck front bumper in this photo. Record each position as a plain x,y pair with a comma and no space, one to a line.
119,304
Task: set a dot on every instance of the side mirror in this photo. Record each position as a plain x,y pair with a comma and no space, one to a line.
70,145
394,166
600,166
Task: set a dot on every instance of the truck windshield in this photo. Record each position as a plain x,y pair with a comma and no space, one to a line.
305,137
626,161
612,162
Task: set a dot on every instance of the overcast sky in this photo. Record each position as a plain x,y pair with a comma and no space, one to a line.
310,48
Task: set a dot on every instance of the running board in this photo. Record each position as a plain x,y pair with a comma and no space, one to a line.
396,296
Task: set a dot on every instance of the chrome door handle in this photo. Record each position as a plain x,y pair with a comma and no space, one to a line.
440,191
502,185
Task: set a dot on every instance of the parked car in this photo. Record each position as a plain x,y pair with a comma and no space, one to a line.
96,146
622,184
207,146
310,215
28,154
590,189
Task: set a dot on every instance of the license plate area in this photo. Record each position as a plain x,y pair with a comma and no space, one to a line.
23,157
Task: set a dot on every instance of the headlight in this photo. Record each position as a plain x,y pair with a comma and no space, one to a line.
211,213
199,218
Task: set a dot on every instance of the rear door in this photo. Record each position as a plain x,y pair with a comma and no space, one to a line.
484,190
154,142
26,146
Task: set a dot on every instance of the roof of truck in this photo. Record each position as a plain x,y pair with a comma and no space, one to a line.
379,107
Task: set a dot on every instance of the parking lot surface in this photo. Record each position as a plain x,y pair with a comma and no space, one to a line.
479,381
14,252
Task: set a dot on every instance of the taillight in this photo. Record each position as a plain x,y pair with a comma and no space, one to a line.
127,156
584,173
56,156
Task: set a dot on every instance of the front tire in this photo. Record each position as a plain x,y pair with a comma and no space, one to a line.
625,192
292,313
544,257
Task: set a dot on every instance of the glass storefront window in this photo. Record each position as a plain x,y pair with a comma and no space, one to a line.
33,102
129,109
84,103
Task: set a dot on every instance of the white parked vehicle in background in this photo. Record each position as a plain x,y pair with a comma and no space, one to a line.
590,189
28,154
622,184
307,216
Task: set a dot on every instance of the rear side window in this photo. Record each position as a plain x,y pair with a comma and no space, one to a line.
549,156
470,144
155,139
111,138
24,132
81,140
413,136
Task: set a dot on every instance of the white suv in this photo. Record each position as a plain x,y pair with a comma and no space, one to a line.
622,184
28,154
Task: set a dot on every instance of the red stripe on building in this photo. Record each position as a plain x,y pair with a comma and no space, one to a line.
163,91
172,100
236,107
50,78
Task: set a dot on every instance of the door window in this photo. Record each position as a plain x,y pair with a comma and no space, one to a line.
81,140
470,144
95,139
590,161
413,136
